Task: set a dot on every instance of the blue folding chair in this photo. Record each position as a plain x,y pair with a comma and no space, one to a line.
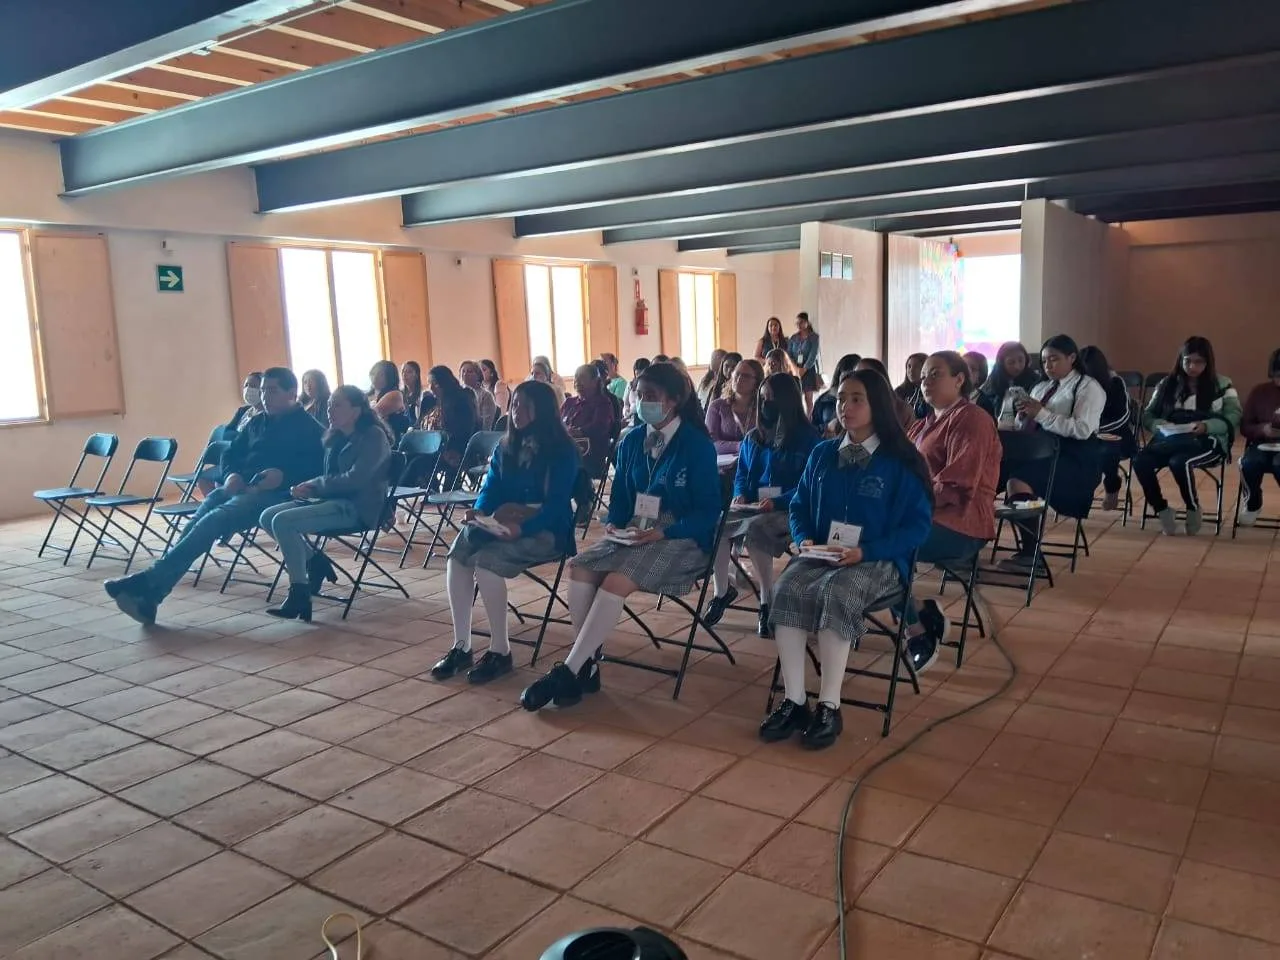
157,450
62,500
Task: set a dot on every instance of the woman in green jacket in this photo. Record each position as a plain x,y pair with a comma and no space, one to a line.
1192,417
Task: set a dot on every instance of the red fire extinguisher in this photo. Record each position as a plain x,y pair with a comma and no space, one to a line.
642,311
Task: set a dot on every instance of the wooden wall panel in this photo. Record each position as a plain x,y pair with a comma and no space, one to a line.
669,311
602,310
75,313
727,312
513,319
257,306
404,292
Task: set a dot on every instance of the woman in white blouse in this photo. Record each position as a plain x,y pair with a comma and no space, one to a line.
1067,404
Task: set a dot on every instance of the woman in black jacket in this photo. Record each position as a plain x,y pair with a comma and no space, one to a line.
1119,442
350,495
1014,372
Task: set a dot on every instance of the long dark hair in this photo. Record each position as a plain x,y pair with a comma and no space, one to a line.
675,386
321,399
720,383
1177,386
1273,365
366,418
792,420
456,401
846,364
767,342
489,373
983,366
390,376
1067,347
546,432
714,365
906,381
1095,364
873,363
884,420
999,382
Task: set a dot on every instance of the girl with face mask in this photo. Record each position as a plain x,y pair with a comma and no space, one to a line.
770,462
251,393
663,513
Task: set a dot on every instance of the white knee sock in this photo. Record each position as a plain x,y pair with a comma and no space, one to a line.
493,592
461,583
762,563
833,655
791,646
720,570
580,596
600,621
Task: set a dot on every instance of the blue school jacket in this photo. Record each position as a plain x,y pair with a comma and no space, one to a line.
686,478
761,465
884,498
547,483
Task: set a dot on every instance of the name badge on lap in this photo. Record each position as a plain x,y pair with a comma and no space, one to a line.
846,535
768,493
648,507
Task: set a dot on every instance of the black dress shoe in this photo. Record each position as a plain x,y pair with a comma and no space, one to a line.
453,661
787,718
824,729
559,685
589,676
922,651
718,605
934,621
296,606
491,667
763,627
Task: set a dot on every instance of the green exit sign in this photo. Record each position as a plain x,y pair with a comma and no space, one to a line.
168,278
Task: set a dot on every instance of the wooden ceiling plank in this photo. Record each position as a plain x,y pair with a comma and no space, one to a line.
290,52
223,67
444,14
150,79
46,125
391,16
54,113
89,110
124,98
344,24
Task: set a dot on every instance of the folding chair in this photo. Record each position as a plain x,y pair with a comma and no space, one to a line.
361,542
964,573
466,485
600,485
221,434
61,500
1216,471
892,603
157,450
1149,383
422,458
1020,447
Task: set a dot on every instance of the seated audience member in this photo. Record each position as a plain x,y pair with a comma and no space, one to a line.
662,521
960,446
1068,404
251,393
978,371
1117,441
589,419
909,389
905,413
525,501
411,390
770,461
349,495
1013,375
454,415
773,339
541,372
471,377
662,358
271,454
615,383
825,416
496,386
867,495
387,399
1192,417
777,361
732,416
1260,424
315,396
629,402
707,385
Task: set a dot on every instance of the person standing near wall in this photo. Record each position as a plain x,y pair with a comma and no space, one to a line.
802,348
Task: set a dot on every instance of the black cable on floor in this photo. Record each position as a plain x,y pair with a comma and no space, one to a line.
841,905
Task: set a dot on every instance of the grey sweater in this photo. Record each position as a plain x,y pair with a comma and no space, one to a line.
356,470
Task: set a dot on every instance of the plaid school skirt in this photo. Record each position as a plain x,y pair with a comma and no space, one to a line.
768,532
667,566
813,595
506,558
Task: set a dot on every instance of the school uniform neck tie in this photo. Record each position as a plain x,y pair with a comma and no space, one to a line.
654,444
853,455
1048,394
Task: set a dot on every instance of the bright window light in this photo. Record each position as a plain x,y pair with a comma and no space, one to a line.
990,301
557,316
308,312
19,391
344,351
697,318
537,295
355,292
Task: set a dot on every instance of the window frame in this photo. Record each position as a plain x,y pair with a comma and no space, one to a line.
715,313
38,359
548,265
379,284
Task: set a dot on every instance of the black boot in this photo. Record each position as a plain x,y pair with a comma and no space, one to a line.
319,569
296,606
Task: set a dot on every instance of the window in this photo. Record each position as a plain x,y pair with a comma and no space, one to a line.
19,382
697,318
989,297
333,314
557,316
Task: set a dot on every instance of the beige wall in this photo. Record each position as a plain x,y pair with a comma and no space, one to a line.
178,361
1001,244
1217,277
848,314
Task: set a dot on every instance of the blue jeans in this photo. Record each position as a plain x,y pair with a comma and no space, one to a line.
220,515
943,545
1254,465
289,522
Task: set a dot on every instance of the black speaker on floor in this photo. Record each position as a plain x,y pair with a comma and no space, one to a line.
607,943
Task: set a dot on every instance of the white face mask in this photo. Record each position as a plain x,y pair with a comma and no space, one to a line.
253,396
651,412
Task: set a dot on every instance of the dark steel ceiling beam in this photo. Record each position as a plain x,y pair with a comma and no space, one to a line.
749,238
761,248
1030,54
953,220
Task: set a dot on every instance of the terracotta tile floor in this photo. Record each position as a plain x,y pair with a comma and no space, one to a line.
216,786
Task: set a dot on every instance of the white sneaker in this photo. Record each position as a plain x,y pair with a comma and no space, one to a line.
1247,517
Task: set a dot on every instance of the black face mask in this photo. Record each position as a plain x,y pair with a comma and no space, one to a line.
769,413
